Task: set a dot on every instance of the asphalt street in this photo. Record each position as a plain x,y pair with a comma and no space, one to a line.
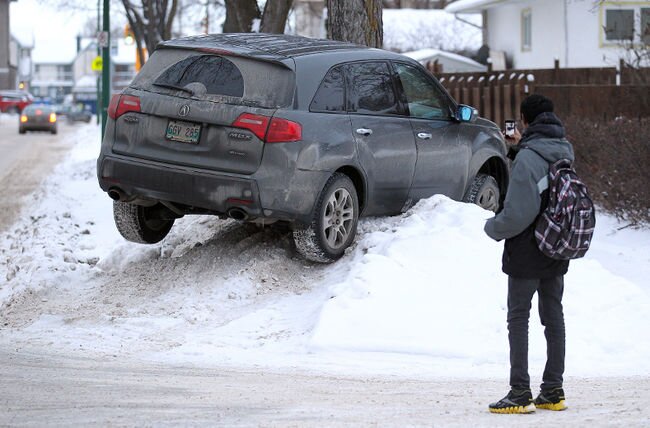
25,160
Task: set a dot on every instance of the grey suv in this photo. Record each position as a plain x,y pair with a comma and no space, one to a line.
270,128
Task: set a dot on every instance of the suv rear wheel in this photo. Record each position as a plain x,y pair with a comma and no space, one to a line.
334,224
140,224
484,192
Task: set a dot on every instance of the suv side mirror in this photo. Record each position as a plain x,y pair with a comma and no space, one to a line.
466,113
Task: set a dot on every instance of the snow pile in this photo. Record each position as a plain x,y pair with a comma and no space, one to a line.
421,293
413,29
430,283
62,228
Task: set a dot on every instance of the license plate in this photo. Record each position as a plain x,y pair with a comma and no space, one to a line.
185,132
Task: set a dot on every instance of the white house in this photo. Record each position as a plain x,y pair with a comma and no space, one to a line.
580,33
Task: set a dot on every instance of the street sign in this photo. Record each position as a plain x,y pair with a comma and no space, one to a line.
102,39
97,64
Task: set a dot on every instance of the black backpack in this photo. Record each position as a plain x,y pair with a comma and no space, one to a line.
565,228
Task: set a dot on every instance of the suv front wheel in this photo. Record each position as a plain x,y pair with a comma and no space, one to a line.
334,223
484,192
143,225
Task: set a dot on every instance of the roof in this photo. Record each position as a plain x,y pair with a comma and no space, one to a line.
23,41
474,6
412,29
430,54
125,53
269,46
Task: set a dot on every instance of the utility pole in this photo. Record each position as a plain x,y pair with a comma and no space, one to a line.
106,66
98,101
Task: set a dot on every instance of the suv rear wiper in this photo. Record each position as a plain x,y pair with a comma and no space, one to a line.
179,88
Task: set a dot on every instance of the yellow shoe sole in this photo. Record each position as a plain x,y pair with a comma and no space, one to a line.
515,409
561,405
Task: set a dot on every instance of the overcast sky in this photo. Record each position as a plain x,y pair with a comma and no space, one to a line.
52,31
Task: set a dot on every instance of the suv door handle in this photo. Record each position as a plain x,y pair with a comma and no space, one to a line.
424,135
364,131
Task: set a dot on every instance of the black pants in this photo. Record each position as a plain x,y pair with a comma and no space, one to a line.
520,294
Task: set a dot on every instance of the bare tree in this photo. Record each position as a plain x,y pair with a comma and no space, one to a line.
151,22
240,15
356,21
275,16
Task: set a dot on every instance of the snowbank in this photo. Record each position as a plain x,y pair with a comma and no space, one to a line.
421,293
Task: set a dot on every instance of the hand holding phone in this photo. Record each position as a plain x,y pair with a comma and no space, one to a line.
511,133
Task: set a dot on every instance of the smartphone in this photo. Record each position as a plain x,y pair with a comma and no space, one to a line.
511,125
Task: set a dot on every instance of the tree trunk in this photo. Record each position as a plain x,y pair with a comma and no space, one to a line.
356,21
275,15
151,22
240,15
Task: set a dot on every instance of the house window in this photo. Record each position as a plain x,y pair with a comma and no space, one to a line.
627,21
526,30
619,24
645,26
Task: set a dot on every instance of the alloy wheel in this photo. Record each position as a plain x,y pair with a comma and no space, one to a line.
338,218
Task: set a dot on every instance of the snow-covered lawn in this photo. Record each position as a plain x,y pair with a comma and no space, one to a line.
420,293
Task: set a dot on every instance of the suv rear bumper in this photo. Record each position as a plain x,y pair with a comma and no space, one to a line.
217,192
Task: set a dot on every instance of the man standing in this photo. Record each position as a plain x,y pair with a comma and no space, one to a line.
542,143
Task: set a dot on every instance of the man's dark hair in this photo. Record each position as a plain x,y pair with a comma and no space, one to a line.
534,105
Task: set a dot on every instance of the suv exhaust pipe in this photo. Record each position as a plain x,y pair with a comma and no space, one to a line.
237,214
117,194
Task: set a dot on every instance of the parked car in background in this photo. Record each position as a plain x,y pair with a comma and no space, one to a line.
38,118
73,112
314,133
14,101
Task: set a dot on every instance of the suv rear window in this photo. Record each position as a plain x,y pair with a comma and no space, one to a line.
186,73
218,75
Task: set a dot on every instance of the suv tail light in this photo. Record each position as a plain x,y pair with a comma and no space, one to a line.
52,117
283,130
255,123
275,130
121,104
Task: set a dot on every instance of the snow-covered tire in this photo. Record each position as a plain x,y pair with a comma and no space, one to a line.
136,223
484,192
334,223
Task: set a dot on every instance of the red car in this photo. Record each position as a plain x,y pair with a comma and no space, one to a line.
14,101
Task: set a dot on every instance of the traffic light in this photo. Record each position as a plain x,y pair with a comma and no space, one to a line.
21,85
129,38
145,55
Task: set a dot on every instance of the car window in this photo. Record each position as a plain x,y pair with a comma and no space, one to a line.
264,84
217,74
370,88
425,100
330,95
32,109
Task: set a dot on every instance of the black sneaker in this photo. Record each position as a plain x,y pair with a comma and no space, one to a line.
551,400
517,401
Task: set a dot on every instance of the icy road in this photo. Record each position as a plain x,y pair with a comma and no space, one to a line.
224,324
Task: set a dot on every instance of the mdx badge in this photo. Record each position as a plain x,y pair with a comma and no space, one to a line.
184,111
239,136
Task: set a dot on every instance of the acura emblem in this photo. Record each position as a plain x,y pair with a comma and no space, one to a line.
184,111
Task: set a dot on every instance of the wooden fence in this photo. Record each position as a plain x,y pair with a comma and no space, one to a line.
598,93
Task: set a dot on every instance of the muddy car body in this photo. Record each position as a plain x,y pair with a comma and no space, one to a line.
278,128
